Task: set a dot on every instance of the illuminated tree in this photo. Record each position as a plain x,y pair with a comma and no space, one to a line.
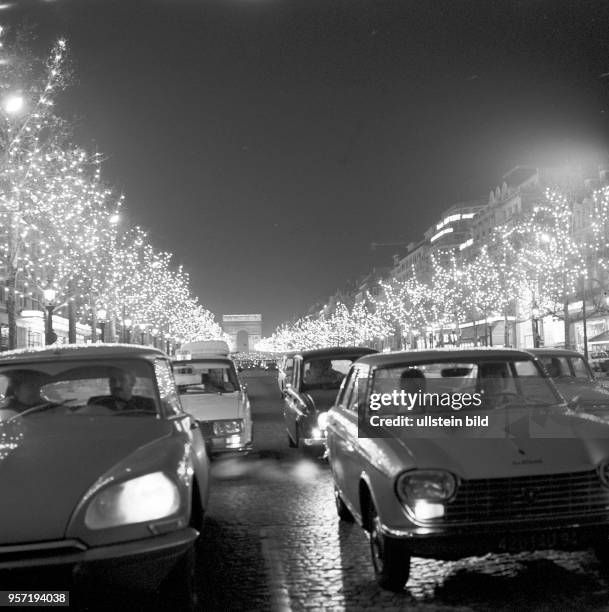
30,135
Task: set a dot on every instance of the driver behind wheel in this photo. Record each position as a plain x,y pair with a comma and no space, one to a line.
320,372
121,383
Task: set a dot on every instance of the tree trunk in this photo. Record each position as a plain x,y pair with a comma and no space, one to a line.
11,307
72,322
567,324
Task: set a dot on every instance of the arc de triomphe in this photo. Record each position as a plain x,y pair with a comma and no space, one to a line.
244,331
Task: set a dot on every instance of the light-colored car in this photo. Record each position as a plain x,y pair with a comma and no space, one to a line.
491,460
574,379
211,392
114,489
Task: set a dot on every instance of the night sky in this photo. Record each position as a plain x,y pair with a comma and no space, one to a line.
267,143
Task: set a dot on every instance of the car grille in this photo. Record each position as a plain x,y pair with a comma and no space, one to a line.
576,494
207,428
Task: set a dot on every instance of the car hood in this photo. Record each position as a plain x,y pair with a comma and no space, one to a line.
48,463
541,445
211,406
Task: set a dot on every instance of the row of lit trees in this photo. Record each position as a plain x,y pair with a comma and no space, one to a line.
544,262
61,230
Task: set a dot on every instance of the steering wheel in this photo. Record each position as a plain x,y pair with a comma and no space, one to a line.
94,409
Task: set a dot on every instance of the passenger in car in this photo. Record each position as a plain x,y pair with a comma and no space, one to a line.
24,391
412,382
493,380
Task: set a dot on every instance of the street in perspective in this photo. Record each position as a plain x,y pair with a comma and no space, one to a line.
304,305
276,508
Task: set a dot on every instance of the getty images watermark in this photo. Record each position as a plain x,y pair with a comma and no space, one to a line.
402,400
478,414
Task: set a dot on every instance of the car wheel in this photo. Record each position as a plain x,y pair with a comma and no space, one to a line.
178,590
344,514
390,557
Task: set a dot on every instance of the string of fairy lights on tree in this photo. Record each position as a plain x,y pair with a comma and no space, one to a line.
60,224
535,265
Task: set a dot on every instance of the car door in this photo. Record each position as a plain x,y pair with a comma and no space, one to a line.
290,402
245,411
343,442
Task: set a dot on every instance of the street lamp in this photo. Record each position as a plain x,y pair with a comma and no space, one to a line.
101,317
49,295
154,332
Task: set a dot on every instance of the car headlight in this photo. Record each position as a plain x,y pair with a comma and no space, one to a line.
322,421
145,498
425,485
227,428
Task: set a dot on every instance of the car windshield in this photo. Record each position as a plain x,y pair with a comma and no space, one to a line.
469,384
72,388
205,376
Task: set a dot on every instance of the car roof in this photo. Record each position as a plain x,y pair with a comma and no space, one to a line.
336,351
397,357
556,352
80,351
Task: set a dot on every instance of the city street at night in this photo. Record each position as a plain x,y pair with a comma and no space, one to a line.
304,305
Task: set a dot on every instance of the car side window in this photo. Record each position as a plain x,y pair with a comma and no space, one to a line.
358,388
167,388
347,389
295,376
288,369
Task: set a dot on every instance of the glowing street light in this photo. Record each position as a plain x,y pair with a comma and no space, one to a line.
49,296
13,104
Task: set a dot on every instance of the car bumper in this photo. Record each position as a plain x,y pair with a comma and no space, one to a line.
136,565
228,444
507,538
315,441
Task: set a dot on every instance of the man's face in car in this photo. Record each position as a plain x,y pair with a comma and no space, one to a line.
121,386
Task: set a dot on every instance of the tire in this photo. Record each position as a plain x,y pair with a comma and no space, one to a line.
344,514
390,557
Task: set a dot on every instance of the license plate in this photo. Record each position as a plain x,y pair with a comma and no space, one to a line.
538,541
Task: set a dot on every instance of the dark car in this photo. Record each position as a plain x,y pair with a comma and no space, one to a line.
311,385
574,379
103,475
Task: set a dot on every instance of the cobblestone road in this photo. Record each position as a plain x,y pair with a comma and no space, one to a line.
273,542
